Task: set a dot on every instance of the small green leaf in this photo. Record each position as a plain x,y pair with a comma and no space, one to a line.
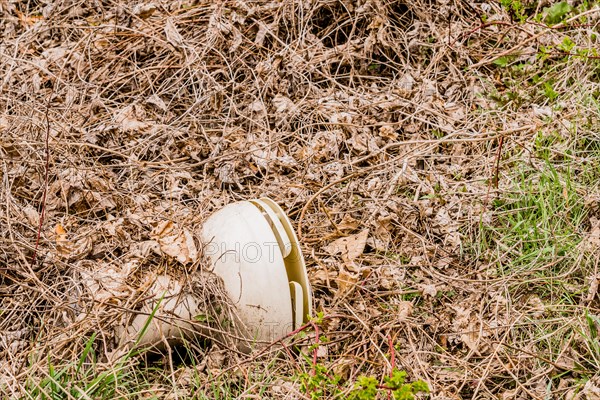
549,91
404,393
318,319
567,44
557,12
515,8
592,325
396,380
420,386
204,318
502,62
364,389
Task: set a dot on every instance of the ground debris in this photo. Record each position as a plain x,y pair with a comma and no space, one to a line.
439,160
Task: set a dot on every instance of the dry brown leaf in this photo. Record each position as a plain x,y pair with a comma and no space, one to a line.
261,34
175,242
391,277
471,339
593,289
362,142
56,54
343,366
172,34
215,359
144,10
382,236
143,249
591,390
388,132
345,283
591,241
349,247
466,325
226,172
129,120
405,309
322,351
283,105
429,290
108,281
63,245
69,249
157,101
3,123
449,227
33,217
348,223
322,277
405,86
280,388
100,200
537,307
81,248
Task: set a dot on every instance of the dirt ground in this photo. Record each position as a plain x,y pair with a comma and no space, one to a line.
452,145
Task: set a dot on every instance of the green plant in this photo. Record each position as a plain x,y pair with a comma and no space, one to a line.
515,8
318,318
537,226
567,44
549,91
82,380
366,387
557,12
319,383
504,61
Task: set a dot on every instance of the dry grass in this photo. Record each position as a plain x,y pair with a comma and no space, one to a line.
465,141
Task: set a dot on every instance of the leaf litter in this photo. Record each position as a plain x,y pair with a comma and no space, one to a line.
366,120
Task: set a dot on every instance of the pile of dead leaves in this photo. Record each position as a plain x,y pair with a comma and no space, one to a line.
124,124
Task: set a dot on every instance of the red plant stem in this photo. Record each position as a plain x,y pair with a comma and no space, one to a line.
392,354
567,53
288,352
557,53
497,173
297,330
487,24
314,371
392,361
